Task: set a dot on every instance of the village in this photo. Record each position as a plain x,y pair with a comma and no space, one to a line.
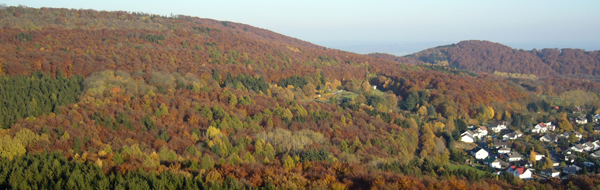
539,152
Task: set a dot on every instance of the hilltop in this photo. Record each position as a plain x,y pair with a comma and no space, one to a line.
490,57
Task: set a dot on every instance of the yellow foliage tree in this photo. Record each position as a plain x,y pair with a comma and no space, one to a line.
65,136
289,163
26,137
490,112
564,123
427,139
213,132
548,163
9,147
439,125
532,156
422,111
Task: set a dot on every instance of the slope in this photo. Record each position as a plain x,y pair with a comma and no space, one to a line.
490,57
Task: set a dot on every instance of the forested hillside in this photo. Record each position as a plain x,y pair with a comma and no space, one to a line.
489,57
119,100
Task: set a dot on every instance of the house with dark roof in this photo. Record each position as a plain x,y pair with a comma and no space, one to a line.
578,148
513,156
525,163
512,136
503,150
567,135
596,117
497,127
570,158
555,161
591,146
494,162
500,143
549,138
572,169
551,172
581,120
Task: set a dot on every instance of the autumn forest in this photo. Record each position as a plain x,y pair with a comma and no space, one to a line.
125,100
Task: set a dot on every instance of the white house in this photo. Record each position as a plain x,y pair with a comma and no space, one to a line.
549,138
581,120
596,117
468,132
593,145
514,156
570,158
512,136
578,135
595,154
492,162
587,146
543,127
503,150
479,153
467,138
539,156
497,127
520,172
551,172
477,133
482,131
578,148
568,135
555,162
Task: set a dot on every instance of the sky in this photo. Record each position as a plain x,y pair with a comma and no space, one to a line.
395,26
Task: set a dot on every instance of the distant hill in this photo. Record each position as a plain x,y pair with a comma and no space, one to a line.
87,41
490,57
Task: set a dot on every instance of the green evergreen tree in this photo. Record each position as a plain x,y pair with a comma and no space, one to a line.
411,102
207,162
431,111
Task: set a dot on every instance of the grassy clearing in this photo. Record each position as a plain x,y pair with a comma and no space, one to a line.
378,92
464,146
454,167
346,94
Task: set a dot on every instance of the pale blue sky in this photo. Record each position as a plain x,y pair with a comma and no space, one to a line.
388,26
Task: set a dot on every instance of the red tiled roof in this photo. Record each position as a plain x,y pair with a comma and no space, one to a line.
519,169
